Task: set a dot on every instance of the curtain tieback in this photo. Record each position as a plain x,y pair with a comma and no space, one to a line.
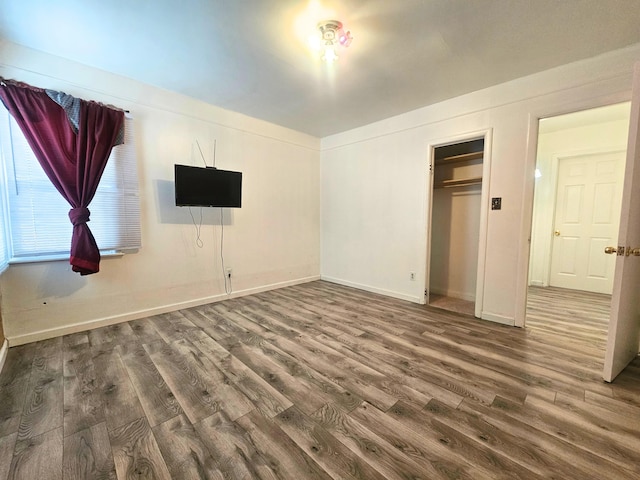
79,215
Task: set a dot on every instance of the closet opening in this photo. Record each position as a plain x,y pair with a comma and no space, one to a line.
455,266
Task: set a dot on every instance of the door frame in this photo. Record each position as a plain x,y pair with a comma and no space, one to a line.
486,135
522,277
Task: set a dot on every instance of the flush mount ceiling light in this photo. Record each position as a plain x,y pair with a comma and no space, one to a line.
332,36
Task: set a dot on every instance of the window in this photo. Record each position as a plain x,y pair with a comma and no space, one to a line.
37,223
4,247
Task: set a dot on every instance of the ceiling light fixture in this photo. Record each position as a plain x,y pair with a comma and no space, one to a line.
332,36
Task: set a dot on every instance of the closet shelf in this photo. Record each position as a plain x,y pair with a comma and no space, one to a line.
465,157
464,182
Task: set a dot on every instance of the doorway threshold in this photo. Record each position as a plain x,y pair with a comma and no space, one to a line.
452,304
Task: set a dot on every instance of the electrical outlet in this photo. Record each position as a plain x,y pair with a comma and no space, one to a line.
412,276
228,272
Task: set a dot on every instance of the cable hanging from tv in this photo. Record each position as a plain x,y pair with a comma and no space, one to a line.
202,155
208,187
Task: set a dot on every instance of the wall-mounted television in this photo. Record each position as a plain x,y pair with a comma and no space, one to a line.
207,187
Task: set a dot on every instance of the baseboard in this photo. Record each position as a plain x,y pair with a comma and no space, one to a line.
536,283
492,317
3,353
469,297
103,322
371,289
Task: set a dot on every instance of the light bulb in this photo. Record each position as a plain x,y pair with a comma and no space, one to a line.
329,55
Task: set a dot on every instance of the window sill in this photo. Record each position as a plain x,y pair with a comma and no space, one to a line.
58,257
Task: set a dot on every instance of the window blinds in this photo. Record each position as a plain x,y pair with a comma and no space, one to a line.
4,230
38,215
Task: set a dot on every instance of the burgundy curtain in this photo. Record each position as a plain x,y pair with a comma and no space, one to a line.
73,161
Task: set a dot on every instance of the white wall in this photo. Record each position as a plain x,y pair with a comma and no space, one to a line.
374,181
272,240
455,220
371,183
594,138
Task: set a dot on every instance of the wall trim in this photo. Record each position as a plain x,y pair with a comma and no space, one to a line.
493,317
3,353
368,288
103,322
469,297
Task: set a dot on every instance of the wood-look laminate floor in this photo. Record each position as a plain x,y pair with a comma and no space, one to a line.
317,381
452,304
571,315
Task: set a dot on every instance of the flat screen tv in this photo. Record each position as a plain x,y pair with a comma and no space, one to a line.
207,187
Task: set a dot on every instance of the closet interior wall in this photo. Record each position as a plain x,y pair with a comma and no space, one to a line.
455,223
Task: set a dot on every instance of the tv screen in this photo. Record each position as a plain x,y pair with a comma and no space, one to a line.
207,187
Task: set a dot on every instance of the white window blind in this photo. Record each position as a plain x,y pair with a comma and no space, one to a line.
4,230
39,216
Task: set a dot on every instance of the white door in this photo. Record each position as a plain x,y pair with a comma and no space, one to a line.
623,341
587,219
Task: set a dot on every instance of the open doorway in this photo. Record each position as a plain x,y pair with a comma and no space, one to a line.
456,241
580,165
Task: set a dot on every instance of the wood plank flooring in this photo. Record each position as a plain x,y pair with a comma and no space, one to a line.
570,314
452,304
320,381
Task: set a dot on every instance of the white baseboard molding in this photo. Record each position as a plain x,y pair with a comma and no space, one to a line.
537,283
3,353
368,288
492,317
469,297
103,322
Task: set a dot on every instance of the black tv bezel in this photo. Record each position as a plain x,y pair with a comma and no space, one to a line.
213,198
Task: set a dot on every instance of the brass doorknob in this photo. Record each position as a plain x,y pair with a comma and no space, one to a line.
557,233
610,250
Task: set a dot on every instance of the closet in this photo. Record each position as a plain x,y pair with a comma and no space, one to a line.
455,225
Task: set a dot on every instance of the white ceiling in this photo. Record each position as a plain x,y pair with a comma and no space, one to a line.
250,56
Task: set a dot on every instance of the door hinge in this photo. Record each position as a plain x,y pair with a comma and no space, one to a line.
426,292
